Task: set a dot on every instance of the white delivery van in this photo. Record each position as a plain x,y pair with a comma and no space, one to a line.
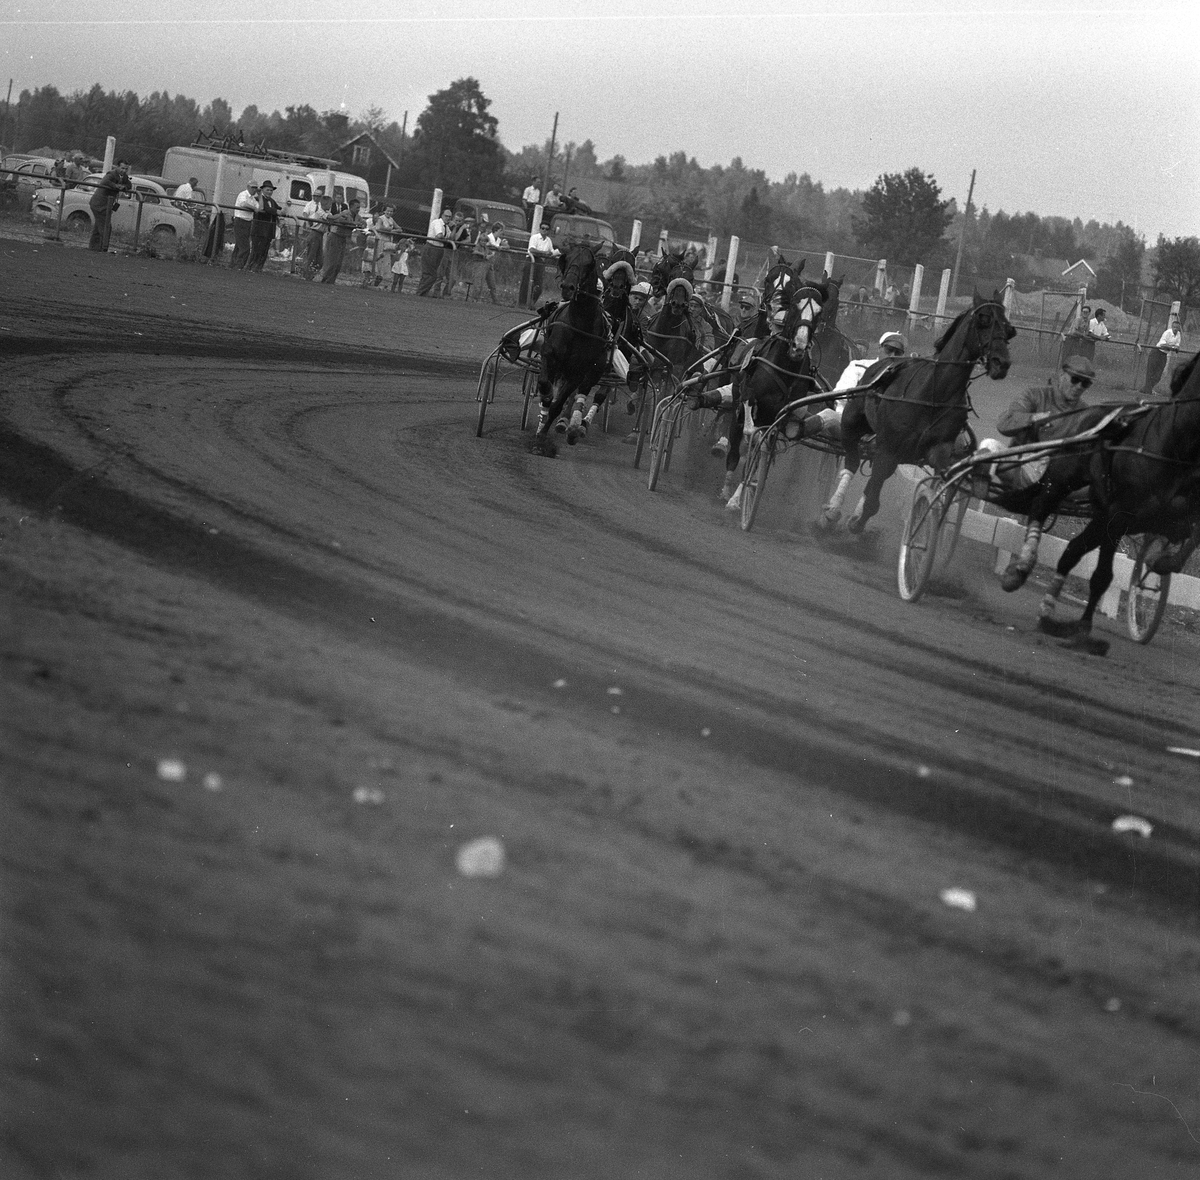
295,177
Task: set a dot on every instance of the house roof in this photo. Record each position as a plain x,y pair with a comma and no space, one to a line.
1076,265
375,143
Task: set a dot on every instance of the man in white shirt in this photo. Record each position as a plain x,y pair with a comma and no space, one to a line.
311,218
244,209
1097,328
489,241
530,197
541,247
433,253
1170,341
185,193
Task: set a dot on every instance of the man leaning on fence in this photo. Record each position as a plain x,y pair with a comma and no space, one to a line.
104,201
1170,341
432,253
244,209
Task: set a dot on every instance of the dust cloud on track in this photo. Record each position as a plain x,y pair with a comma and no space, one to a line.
247,526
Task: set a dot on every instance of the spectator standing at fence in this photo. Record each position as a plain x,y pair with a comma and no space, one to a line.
263,227
340,227
541,247
554,202
1097,328
458,238
313,216
487,244
1170,341
383,249
186,192
400,265
530,197
244,209
433,252
104,200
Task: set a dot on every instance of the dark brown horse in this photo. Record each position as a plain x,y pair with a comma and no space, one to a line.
1146,480
779,370
575,346
918,406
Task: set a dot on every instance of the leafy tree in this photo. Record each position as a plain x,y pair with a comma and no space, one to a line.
1119,277
904,218
1177,267
455,146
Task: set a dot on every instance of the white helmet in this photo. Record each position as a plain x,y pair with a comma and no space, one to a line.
893,340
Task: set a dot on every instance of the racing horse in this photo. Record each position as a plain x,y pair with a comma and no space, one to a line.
831,350
672,331
575,346
777,371
917,407
1146,480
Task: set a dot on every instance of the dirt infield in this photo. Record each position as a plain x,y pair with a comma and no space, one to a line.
282,635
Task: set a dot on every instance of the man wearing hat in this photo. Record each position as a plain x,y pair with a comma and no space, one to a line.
262,228
1041,412
244,209
104,200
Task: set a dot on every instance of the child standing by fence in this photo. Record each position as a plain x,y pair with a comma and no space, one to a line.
400,266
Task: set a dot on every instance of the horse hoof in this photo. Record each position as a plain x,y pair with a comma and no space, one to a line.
542,445
1059,628
1013,578
1087,643
572,436
828,519
734,502
855,525
631,438
560,427
721,448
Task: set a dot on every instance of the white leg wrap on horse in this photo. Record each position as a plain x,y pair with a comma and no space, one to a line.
1049,601
543,419
590,416
1029,550
839,492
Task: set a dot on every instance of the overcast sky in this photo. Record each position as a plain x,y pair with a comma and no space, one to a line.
1088,111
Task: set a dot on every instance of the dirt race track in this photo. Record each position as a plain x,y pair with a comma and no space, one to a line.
246,525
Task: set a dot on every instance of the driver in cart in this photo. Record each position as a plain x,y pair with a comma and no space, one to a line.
827,422
1041,412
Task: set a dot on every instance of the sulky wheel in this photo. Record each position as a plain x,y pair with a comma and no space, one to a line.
487,389
758,464
528,393
918,548
660,439
1148,592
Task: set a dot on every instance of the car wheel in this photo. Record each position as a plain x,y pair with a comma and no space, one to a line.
79,221
163,232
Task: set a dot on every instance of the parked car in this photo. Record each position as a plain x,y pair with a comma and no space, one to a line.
486,213
24,175
582,228
159,216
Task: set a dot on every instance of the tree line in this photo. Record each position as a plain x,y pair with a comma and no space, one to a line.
455,145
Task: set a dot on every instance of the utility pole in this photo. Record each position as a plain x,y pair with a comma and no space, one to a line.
550,158
962,233
566,169
7,108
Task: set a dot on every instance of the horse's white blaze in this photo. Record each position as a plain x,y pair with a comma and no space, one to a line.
809,310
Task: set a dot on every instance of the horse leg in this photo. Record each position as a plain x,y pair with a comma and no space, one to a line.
883,467
553,395
1083,543
832,512
740,431
1101,579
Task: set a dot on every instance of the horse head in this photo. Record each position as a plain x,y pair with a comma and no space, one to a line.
808,302
780,285
619,276
679,295
578,271
982,333
665,269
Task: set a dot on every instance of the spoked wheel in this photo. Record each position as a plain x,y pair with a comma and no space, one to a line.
648,402
528,393
660,438
918,548
952,528
758,465
487,389
1147,595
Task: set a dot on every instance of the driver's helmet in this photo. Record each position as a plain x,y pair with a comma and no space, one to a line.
894,341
